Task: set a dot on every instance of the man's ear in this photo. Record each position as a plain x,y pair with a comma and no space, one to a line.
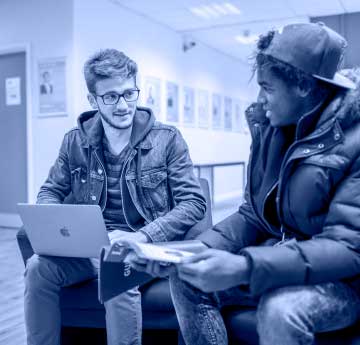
303,89
92,101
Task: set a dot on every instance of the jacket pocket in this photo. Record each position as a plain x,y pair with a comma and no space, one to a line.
154,186
79,185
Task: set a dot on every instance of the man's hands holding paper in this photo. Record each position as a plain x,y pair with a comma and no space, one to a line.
214,270
211,270
154,268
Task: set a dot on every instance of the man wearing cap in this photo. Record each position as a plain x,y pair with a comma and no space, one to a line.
293,247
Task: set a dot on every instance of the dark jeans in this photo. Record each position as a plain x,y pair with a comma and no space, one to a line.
285,316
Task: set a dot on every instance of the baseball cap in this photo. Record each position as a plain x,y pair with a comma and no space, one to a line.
313,48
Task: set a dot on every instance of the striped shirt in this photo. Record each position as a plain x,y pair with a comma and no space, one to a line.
113,213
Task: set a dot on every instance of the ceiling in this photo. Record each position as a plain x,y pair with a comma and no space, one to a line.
204,25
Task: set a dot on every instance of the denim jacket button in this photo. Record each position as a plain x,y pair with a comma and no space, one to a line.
93,197
321,146
306,150
100,171
83,180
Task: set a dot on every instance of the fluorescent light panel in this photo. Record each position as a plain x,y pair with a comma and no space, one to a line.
215,10
250,39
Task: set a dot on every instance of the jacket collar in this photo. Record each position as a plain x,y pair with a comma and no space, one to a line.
92,131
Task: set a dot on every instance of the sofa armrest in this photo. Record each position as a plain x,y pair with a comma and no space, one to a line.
24,245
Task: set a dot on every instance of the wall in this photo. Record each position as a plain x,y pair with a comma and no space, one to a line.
47,27
75,29
158,52
348,25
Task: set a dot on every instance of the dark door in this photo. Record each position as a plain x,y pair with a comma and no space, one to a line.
13,137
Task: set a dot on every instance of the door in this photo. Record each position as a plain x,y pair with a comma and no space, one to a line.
13,137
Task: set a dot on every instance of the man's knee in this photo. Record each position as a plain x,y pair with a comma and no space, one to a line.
278,307
129,300
39,269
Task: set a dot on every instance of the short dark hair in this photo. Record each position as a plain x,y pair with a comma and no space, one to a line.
108,63
288,73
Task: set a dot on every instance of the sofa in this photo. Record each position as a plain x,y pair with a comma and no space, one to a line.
83,317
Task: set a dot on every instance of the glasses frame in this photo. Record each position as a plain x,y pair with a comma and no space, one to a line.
120,95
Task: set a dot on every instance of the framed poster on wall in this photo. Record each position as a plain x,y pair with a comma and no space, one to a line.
238,113
172,102
52,87
151,95
228,114
203,109
188,106
216,111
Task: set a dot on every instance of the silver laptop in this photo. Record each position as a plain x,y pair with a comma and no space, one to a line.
64,230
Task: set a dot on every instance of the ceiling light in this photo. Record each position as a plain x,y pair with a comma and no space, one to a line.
212,11
232,8
220,9
199,12
215,10
246,38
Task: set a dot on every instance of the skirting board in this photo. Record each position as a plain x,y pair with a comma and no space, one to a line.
10,220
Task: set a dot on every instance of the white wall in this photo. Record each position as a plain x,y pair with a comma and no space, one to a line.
75,29
158,52
47,26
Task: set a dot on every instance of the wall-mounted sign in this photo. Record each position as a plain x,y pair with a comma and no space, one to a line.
12,91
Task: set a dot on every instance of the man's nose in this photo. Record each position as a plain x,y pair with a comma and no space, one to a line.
261,97
121,104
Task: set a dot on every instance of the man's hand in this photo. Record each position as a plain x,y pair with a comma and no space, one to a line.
154,268
214,270
118,236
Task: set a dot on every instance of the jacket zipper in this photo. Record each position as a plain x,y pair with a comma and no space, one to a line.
105,179
262,220
131,156
286,163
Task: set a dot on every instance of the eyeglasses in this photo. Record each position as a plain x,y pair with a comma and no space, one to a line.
113,98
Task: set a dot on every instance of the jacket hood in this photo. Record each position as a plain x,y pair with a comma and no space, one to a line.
91,128
344,105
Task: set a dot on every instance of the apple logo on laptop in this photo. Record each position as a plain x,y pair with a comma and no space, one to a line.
64,231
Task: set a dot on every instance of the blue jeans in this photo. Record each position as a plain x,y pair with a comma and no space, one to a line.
286,316
45,275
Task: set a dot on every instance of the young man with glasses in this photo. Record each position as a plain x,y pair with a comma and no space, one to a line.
139,172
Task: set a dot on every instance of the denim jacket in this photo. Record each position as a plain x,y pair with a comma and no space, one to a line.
160,193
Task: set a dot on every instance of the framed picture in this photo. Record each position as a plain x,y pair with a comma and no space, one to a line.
172,102
238,114
52,87
244,124
188,106
203,109
151,95
216,111
228,114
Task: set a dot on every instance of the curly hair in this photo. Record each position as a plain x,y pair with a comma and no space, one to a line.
108,63
289,74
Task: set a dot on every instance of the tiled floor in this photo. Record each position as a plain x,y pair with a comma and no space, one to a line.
12,330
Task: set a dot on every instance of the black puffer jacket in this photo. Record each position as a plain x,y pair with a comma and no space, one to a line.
317,199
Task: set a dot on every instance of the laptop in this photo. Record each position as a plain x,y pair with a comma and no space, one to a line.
64,230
